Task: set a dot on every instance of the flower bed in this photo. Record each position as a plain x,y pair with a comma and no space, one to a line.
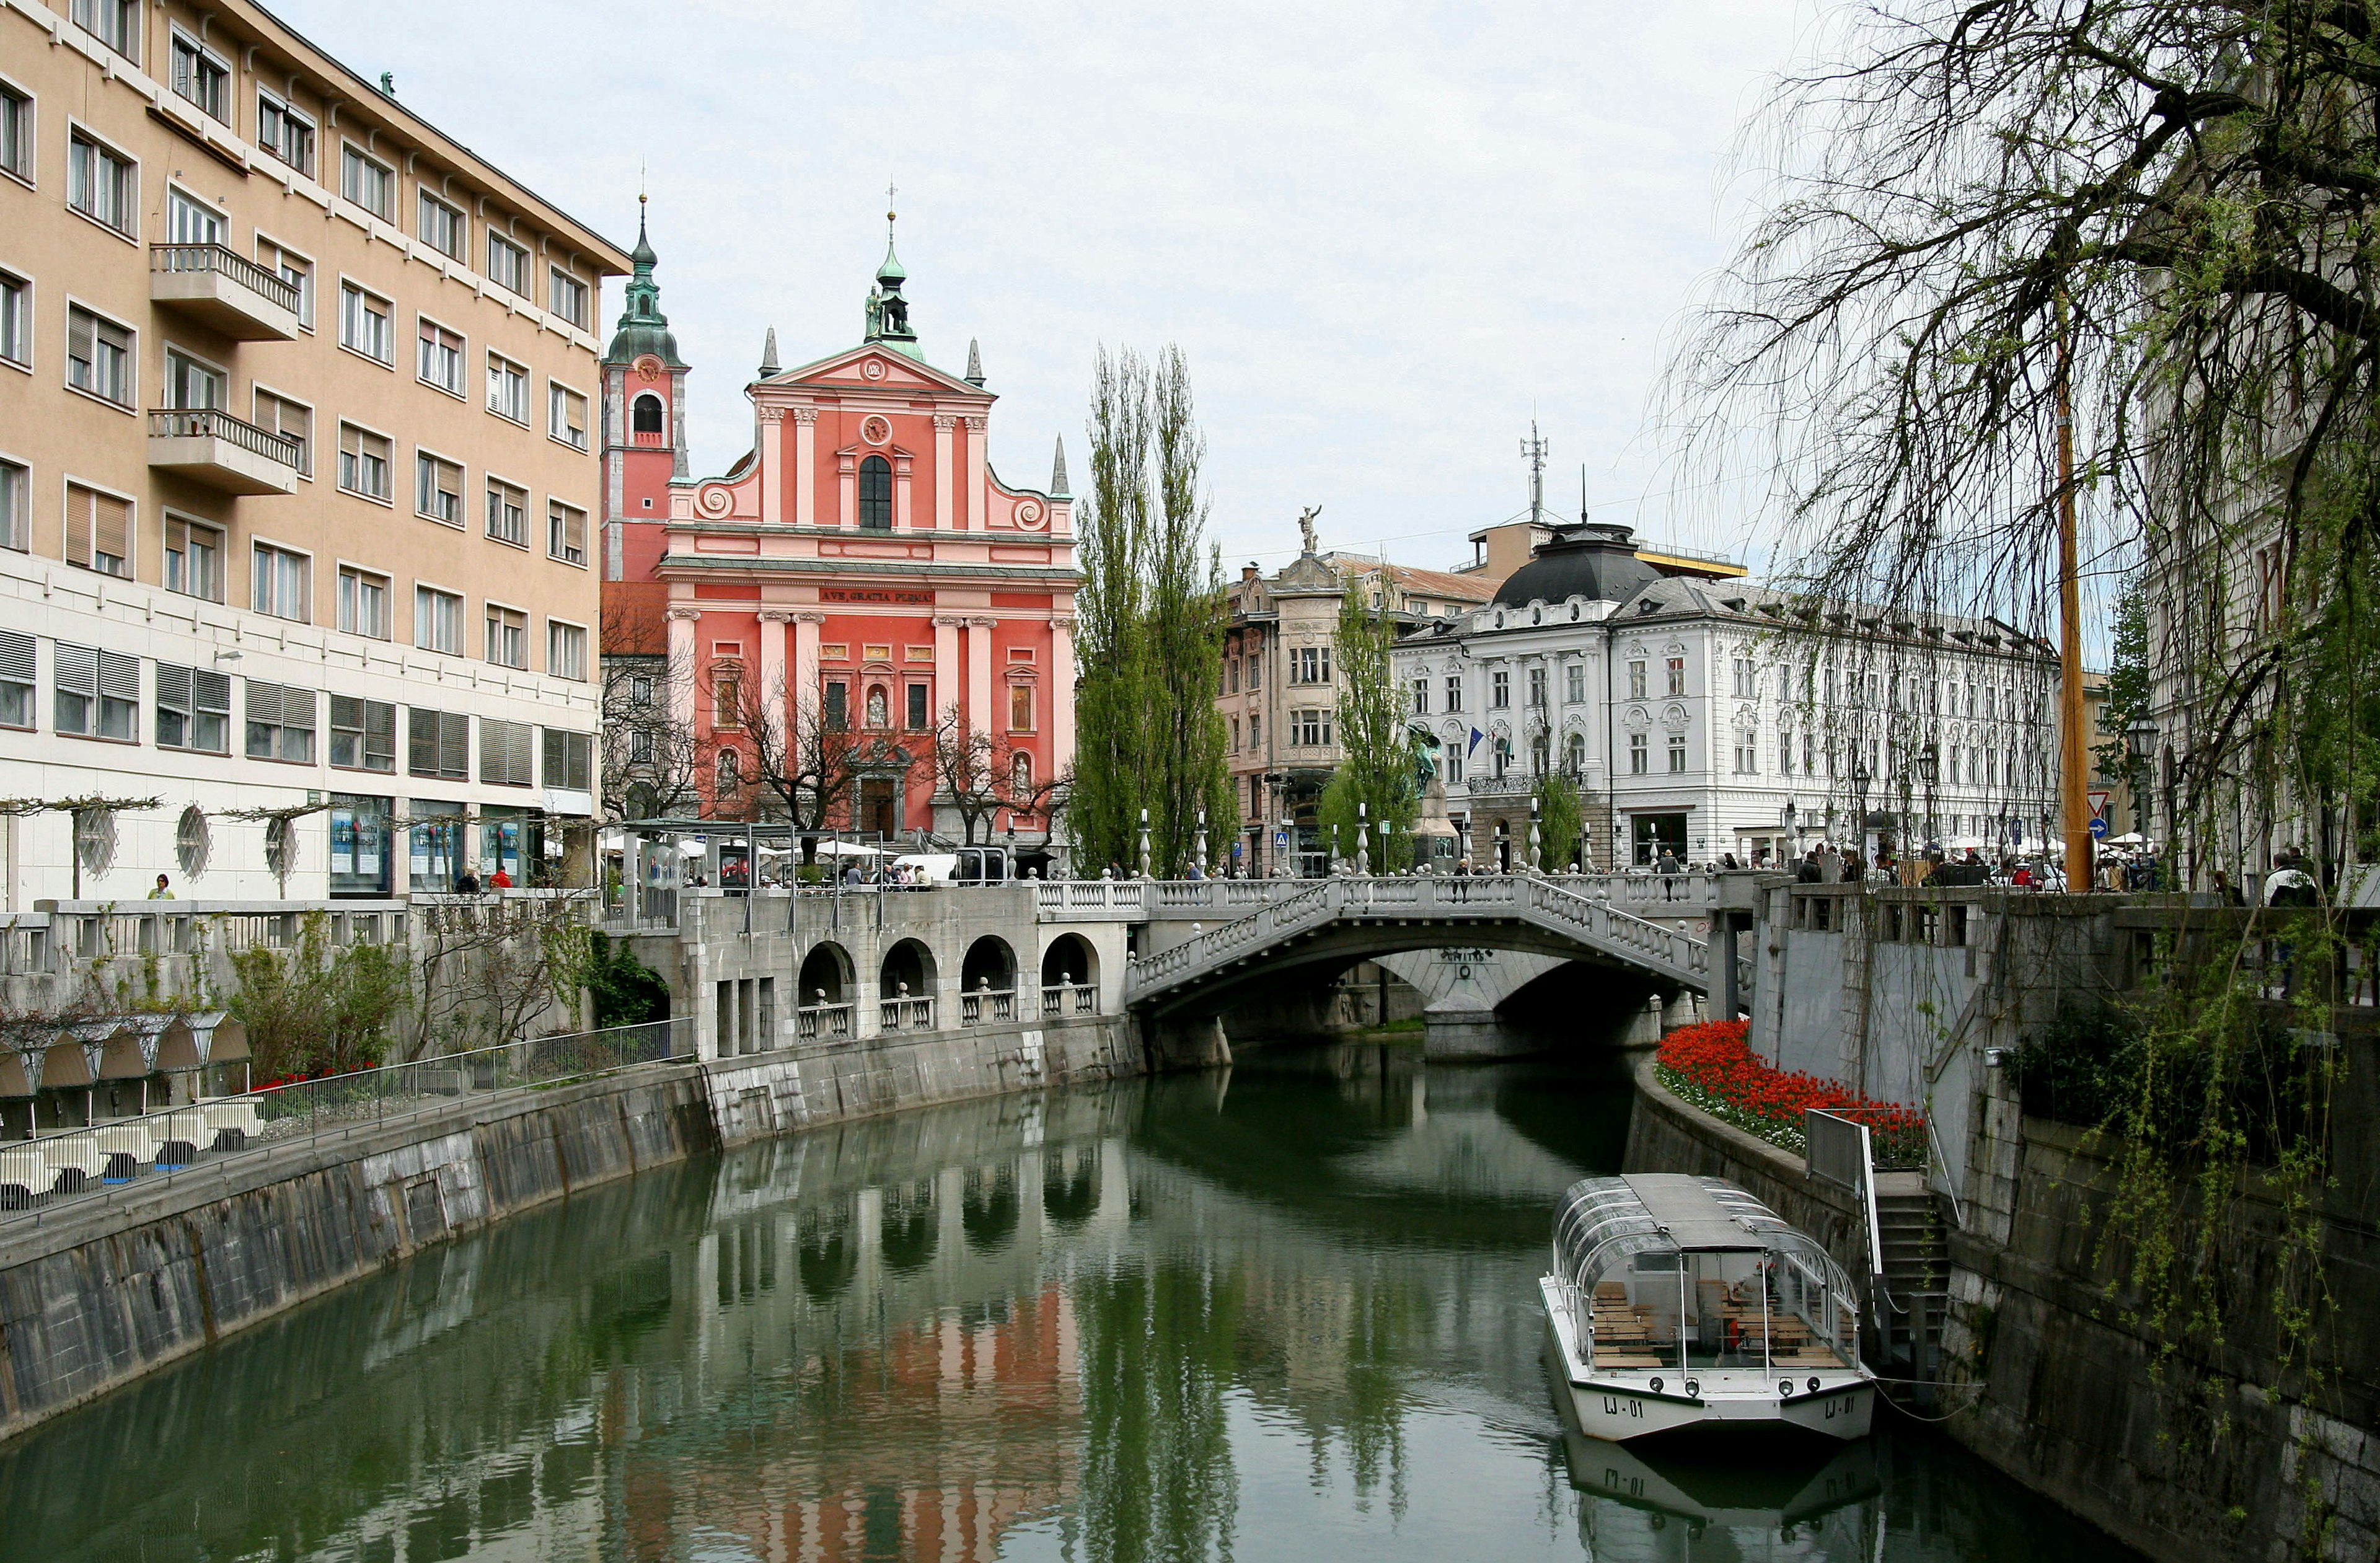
1712,1067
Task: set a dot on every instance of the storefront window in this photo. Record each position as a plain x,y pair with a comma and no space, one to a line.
434,850
359,854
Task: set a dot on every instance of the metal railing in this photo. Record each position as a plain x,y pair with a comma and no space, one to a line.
1060,998
214,423
1837,1149
154,1148
271,287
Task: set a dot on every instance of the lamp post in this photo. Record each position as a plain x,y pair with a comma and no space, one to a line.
1859,806
1929,769
1900,847
2139,739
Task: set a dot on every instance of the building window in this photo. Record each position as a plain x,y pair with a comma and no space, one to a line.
1454,768
366,325
507,389
1310,728
567,296
1309,664
193,382
1785,754
506,753
1499,690
1454,692
293,268
102,183
98,692
444,228
281,587
1235,736
1637,680
363,602
565,416
99,531
293,421
280,723
437,621
193,710
1421,696
437,489
194,559
569,760
363,463
645,416
1576,691
919,715
202,78
438,744
566,650
98,356
1677,753
507,512
16,679
1255,668
283,132
1020,707
1255,731
15,321
115,23
838,704
876,494
1639,753
16,495
440,358
507,264
1747,755
367,182
1537,688
363,735
16,133
1574,756
507,637
565,532
1677,675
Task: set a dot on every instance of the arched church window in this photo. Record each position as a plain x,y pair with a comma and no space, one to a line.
876,494
645,414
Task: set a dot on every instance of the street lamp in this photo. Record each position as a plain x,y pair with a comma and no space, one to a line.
1929,769
2141,738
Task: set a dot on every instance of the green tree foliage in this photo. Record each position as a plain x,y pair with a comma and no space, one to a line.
1376,767
1560,817
314,1009
2129,683
626,991
1151,636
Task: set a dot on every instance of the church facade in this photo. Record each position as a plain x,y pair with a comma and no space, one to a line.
858,583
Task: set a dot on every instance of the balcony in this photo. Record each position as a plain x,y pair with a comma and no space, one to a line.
208,446
224,291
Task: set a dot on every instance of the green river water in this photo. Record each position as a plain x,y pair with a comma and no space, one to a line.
1286,1312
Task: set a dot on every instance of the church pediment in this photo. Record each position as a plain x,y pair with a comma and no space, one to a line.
872,366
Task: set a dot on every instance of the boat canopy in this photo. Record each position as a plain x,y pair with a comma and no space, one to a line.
1610,1227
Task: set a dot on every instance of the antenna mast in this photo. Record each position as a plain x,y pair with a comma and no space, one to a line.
1535,448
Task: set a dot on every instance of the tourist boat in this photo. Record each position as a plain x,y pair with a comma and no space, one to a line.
1680,1302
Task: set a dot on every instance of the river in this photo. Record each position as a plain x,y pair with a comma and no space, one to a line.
1283,1312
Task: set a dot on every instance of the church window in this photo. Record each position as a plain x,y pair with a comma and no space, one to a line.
1020,707
876,494
917,707
838,706
645,416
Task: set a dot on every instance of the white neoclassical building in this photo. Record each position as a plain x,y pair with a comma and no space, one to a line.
1712,716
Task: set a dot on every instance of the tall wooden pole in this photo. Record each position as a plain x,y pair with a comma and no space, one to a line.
2081,858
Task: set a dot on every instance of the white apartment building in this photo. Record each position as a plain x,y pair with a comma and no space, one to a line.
1712,716
295,474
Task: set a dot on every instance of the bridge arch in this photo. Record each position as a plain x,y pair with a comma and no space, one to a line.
826,975
1069,959
908,971
990,965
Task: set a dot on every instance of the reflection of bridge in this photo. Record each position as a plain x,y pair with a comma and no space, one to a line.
1289,925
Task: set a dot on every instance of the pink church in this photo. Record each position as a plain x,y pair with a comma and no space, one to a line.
862,562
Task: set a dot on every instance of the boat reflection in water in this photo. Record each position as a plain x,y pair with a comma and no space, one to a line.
1791,1497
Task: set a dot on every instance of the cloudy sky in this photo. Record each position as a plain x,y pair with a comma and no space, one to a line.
1387,236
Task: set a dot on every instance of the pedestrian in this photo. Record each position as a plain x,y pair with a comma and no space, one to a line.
500,879
165,890
467,882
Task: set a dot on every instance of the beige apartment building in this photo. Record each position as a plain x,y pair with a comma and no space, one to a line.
295,472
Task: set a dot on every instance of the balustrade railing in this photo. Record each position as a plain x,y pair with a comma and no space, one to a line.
823,1023
987,1006
1063,999
905,1015
213,423
225,261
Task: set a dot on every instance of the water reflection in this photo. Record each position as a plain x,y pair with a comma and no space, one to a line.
1286,1312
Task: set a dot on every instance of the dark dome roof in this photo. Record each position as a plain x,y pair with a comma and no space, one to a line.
1591,560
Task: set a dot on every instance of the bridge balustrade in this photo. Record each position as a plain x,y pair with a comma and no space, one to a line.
987,1006
904,1013
1061,998
830,1022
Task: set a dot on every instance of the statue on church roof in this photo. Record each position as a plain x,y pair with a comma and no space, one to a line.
1305,525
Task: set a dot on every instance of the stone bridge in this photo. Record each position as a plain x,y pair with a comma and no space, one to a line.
1290,925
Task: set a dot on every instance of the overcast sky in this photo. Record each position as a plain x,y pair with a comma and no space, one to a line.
1386,236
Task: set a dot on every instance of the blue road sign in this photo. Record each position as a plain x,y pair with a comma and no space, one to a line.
2098,827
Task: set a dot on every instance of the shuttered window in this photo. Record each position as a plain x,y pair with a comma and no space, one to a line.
16,679
194,555
363,735
280,723
193,709
569,760
438,744
98,692
565,532
98,530
98,356
506,753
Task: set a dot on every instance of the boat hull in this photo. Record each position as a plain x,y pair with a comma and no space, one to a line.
1624,1404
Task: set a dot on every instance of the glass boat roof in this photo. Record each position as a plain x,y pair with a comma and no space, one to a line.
1605,1222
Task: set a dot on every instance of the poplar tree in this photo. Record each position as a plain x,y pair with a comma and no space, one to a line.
1151,616
1376,768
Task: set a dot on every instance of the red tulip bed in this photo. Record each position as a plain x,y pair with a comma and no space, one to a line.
1712,1067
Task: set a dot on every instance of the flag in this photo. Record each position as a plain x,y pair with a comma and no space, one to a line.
1476,736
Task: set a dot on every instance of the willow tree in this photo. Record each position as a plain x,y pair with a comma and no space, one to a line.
1376,767
1150,637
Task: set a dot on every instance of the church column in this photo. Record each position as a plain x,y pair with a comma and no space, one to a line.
947,674
682,673
945,481
901,511
980,716
975,479
1062,695
805,467
805,704
772,464
773,669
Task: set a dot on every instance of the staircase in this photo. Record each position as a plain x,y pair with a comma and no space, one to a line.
1915,1290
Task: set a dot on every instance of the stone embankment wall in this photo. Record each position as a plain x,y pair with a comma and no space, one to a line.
94,1293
